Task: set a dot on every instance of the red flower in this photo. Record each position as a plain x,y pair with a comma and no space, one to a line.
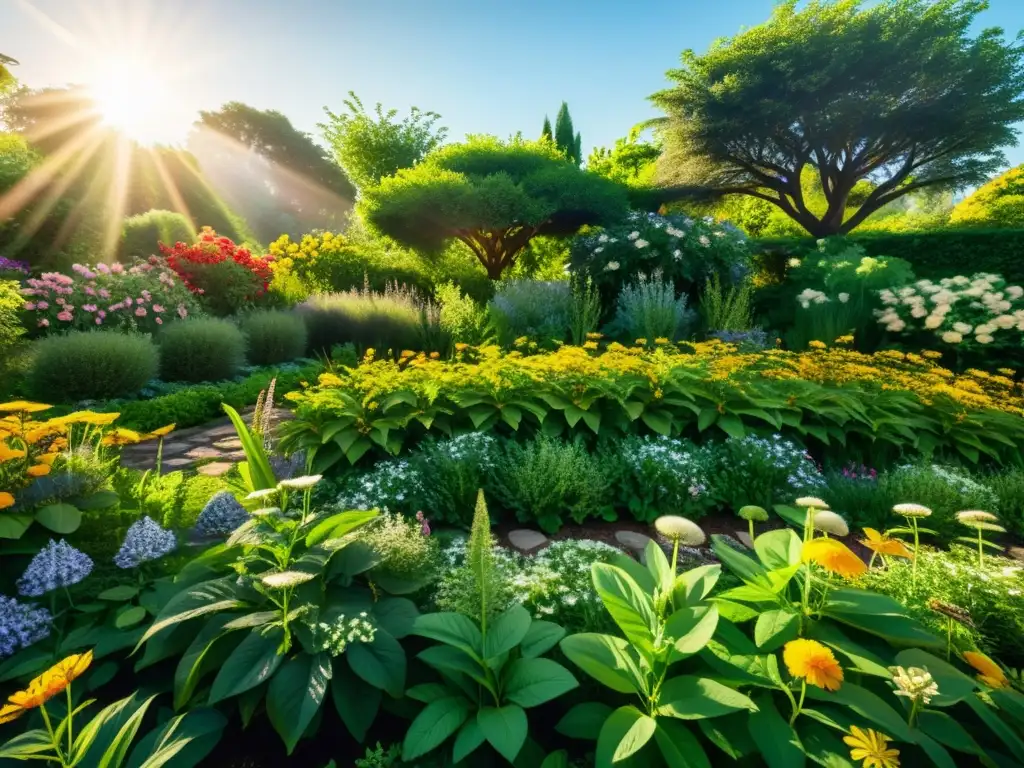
210,248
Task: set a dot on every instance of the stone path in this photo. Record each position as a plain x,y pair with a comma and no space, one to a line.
211,449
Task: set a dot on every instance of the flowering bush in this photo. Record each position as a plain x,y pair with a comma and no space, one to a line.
687,251
141,297
227,276
981,310
762,471
21,625
221,515
145,541
535,309
11,269
58,565
656,475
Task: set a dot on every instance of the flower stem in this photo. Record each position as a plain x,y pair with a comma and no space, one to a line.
917,541
981,552
800,704
70,721
949,637
751,524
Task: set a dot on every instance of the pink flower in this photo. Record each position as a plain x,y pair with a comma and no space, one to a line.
66,316
29,306
159,321
99,321
140,301
90,291
146,294
158,308
140,312
182,312
43,305
89,307
60,300
104,293
103,268
424,523
44,323
102,314
117,269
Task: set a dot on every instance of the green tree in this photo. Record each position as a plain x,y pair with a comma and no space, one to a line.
567,139
493,196
631,161
1000,203
7,80
371,146
546,132
898,93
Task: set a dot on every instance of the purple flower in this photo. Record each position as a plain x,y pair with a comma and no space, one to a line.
221,515
424,523
56,565
21,625
145,541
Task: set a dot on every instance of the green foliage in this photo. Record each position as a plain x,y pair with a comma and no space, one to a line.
762,471
11,329
930,124
91,365
369,148
408,559
533,309
567,138
273,337
727,311
397,319
649,309
584,310
999,203
493,196
631,161
545,480
206,349
144,232
461,318
1008,487
991,594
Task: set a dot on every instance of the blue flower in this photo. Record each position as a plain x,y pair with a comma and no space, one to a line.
21,625
56,565
221,515
145,541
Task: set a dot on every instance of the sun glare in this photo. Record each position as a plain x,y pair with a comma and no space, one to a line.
134,97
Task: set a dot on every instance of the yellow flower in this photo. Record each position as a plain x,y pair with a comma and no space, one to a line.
641,342
6,500
834,557
162,431
43,688
844,339
590,345
817,344
883,545
7,453
23,406
121,436
329,380
87,417
47,458
38,470
872,747
811,661
931,354
661,340
460,347
435,355
992,674
1007,372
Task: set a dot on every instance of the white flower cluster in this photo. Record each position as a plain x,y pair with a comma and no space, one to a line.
784,455
956,308
389,483
656,458
334,638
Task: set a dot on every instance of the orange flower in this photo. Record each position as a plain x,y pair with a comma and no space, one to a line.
8,454
121,436
47,458
811,661
38,470
884,545
6,500
834,557
71,668
992,674
43,688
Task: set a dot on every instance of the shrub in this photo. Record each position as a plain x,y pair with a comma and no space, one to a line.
226,276
142,297
397,319
273,336
11,329
206,349
409,557
91,365
143,233
1008,487
461,317
654,476
649,309
999,203
451,472
534,309
546,479
727,310
687,252
584,311
762,471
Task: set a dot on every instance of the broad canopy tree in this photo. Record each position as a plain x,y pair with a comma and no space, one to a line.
897,93
493,196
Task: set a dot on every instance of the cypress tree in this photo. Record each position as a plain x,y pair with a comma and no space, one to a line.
545,132
565,134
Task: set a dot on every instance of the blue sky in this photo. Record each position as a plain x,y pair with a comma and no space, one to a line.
488,66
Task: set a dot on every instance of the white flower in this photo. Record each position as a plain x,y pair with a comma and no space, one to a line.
1004,321
843,298
896,326
1014,291
952,337
984,339
633,235
704,240
962,328
300,483
611,266
641,243
677,254
285,579
984,328
794,262
602,238
599,249
933,321
263,493
918,312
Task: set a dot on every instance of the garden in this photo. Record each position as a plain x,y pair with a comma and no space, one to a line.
528,460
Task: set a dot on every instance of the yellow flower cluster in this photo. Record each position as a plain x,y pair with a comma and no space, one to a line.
298,257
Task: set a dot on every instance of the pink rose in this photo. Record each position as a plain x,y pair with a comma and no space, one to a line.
66,316
117,269
140,301
140,312
159,321
158,308
89,307
43,305
44,323
29,306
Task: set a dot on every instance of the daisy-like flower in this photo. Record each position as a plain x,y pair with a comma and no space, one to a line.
834,557
811,502
300,483
830,522
872,747
263,493
813,663
43,688
883,544
285,579
914,683
972,516
676,528
912,510
990,673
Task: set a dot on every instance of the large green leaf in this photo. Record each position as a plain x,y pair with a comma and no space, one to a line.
658,566
504,728
862,660
742,566
336,526
453,629
729,734
28,743
776,628
948,731
777,742
694,585
60,518
191,667
868,705
433,725
540,638
295,695
584,720
531,682
253,661
629,606
506,632
623,734
778,549
356,701
445,658
12,525
381,662
397,615
691,698
467,740
879,615
606,659
199,600
823,746
261,475
182,742
690,629
679,747
988,716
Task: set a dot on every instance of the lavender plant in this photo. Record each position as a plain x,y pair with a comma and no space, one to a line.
21,625
145,541
221,515
57,565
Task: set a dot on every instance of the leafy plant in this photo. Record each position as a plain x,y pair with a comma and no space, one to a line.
490,670
727,311
652,475
584,310
761,470
273,337
207,349
91,365
649,309
461,317
532,309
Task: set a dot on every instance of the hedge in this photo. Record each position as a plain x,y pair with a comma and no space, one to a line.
935,254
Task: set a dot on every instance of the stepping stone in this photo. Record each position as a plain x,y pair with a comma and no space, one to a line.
229,444
634,542
215,468
223,431
175,446
178,463
525,540
204,452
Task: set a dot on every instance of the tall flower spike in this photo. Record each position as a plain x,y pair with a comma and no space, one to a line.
56,565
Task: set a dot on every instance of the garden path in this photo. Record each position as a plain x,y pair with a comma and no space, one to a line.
211,449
